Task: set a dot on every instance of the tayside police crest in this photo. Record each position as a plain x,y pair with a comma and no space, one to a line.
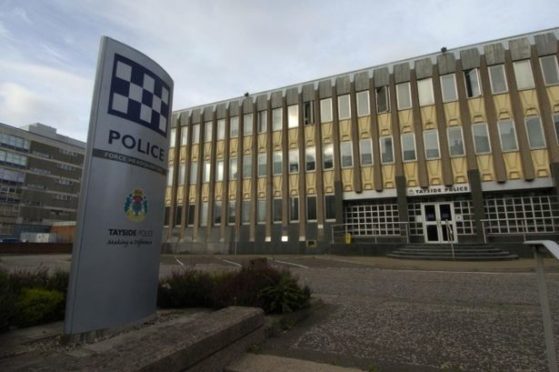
136,205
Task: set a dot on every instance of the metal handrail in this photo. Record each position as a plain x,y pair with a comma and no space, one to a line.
524,227
553,248
347,228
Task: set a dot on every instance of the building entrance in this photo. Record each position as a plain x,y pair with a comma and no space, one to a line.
439,225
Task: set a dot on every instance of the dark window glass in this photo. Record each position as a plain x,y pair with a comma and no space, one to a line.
277,210
308,113
294,209
383,103
178,215
330,207
166,222
191,211
311,208
217,213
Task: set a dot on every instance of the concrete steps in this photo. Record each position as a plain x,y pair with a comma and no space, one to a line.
462,252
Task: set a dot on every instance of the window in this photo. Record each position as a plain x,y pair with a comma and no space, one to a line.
220,167
191,213
204,214
408,147
425,92
403,96
556,125
383,99
173,137
170,176
431,139
344,109
207,171
455,141
217,213
208,131
193,173
184,136
328,156
234,127
247,124
294,209
166,220
346,154
311,208
245,212
308,113
330,207
262,121
498,79
550,70
277,160
536,138
366,151
363,103
310,159
293,161
232,212
448,88
276,210
262,165
182,173
178,215
247,166
481,138
277,117
386,150
233,169
261,211
472,83
293,116
326,110
221,129
523,74
196,133
508,135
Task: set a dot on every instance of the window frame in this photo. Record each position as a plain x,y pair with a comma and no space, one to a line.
293,117
312,151
248,129
344,145
219,170
526,118
466,74
262,164
556,65
233,168
386,90
247,171
308,108
293,209
503,75
455,90
487,135
404,150
461,131
516,66
274,162
289,161
342,98
196,134
324,108
425,134
369,141
314,210
262,121
331,147
382,148
500,124
398,100
220,129
234,127
208,129
275,119
428,100
360,113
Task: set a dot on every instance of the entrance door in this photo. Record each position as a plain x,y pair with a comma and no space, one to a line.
438,222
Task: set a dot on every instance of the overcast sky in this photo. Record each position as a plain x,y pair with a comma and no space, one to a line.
216,50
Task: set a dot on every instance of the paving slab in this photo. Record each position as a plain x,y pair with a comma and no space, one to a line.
270,363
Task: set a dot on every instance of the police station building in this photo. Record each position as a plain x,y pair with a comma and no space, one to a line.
459,146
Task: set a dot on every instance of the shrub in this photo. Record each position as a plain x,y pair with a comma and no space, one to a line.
285,296
7,302
37,305
186,289
59,281
21,279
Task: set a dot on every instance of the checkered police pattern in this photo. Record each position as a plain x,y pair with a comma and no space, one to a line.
137,94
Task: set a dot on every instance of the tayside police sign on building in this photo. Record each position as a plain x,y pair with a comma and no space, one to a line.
115,261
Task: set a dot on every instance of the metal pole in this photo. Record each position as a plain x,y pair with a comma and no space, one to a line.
546,313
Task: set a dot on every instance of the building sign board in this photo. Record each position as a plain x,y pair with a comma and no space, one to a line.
115,259
438,190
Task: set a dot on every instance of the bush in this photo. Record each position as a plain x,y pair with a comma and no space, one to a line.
285,296
186,289
37,305
7,301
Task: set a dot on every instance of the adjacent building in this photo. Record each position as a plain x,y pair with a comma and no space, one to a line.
40,173
456,146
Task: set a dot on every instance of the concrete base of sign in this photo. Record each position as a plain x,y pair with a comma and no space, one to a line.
202,342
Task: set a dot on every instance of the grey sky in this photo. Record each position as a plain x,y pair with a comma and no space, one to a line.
215,50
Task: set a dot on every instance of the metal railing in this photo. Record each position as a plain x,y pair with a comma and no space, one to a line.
522,227
552,247
374,231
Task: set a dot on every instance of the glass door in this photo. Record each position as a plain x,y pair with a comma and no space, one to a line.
438,222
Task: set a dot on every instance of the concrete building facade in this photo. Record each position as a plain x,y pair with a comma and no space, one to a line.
40,173
457,146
